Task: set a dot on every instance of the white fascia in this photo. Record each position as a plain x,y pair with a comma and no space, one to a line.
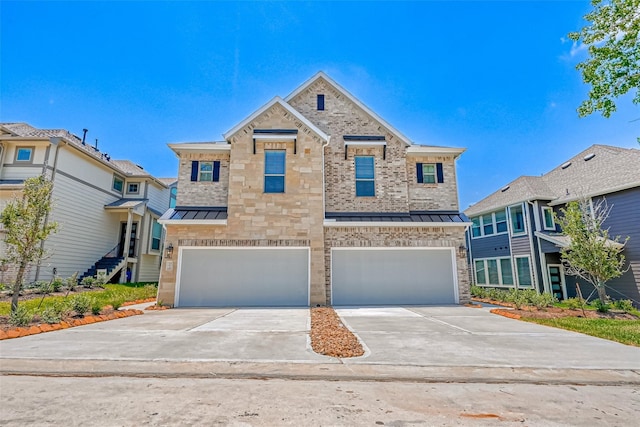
425,150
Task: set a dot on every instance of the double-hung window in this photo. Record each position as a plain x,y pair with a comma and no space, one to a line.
429,173
365,176
133,188
549,223
524,272
208,171
274,171
118,184
517,220
156,235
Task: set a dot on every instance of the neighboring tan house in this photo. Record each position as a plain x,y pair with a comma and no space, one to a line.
314,199
101,205
515,243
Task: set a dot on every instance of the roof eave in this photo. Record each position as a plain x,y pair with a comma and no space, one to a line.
565,200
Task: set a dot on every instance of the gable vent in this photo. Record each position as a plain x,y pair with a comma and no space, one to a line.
589,157
565,165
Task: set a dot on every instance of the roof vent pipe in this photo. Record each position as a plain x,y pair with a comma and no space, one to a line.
96,147
84,135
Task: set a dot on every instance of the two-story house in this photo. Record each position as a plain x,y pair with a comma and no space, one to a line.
515,242
105,208
314,199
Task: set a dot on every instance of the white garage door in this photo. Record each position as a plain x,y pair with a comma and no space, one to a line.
221,277
392,276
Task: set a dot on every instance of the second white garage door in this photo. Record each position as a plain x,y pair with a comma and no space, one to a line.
376,276
222,277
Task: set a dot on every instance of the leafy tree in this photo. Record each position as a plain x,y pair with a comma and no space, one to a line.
613,68
592,254
26,228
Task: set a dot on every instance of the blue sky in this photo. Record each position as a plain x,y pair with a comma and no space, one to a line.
497,78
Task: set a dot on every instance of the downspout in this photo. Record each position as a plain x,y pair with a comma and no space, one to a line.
536,220
54,141
2,150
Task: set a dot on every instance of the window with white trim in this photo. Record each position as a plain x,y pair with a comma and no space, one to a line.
205,172
489,224
547,216
523,269
118,184
133,188
365,176
494,272
24,154
274,171
516,214
156,235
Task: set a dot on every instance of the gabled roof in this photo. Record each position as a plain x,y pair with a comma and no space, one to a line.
598,170
279,101
321,75
26,131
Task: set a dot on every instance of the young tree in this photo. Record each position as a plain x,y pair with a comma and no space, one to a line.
592,254
613,66
26,228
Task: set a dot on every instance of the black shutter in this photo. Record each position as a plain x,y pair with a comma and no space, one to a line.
439,173
419,173
194,170
216,170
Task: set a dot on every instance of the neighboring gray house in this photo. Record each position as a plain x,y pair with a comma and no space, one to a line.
514,241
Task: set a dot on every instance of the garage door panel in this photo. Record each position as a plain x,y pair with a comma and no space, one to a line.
381,277
244,277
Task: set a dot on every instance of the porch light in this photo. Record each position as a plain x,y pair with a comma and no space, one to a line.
169,251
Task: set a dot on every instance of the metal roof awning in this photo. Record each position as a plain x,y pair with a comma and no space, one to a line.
276,135
195,215
419,218
563,241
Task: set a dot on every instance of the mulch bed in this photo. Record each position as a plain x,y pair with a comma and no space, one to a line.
330,337
553,312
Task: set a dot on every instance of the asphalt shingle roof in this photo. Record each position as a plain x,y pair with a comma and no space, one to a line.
600,169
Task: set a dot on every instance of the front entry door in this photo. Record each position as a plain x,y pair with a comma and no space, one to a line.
132,240
556,280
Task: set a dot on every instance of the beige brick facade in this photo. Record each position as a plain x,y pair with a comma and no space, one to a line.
318,179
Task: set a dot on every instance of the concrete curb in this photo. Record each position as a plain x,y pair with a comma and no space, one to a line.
316,371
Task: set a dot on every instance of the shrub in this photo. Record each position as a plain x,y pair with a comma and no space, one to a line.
574,303
72,281
50,315
517,298
81,303
117,300
57,284
88,282
543,300
602,307
21,316
96,308
624,304
101,279
43,287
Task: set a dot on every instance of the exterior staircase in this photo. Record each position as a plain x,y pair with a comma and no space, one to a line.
111,263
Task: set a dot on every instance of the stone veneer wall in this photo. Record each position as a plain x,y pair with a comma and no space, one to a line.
427,197
397,237
202,193
342,117
256,218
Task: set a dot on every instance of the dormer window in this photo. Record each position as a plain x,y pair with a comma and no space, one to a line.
24,154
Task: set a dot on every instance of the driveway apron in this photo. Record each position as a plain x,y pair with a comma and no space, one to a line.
221,334
463,336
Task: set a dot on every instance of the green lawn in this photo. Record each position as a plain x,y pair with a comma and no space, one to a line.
623,331
113,292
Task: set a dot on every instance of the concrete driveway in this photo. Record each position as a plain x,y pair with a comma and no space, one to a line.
445,336
473,337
